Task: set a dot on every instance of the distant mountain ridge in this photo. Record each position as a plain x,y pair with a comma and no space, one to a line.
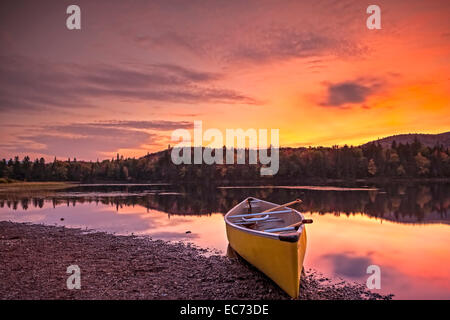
429,140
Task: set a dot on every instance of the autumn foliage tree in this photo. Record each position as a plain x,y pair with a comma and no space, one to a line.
296,164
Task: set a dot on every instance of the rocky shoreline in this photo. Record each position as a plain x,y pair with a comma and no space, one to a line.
34,261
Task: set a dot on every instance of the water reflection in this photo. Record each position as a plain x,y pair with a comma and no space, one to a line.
401,228
400,203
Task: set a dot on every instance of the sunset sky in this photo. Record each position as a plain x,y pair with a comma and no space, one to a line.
137,70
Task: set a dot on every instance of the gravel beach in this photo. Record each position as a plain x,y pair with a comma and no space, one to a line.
34,260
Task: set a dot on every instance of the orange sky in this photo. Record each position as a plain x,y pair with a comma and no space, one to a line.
137,71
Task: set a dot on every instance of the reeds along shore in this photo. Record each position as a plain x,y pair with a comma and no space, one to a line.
35,260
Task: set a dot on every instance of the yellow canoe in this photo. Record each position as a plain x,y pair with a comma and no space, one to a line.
274,242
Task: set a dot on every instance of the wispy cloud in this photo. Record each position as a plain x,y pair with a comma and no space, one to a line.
281,43
89,140
29,85
262,44
161,125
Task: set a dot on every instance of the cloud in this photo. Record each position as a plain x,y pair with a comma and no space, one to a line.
281,43
87,147
159,75
189,73
261,44
347,93
89,140
161,125
26,84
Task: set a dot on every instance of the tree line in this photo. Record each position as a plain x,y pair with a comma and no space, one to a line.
410,160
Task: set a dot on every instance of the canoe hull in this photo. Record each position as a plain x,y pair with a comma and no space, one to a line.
281,261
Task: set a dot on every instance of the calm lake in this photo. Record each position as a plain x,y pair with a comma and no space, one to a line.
405,230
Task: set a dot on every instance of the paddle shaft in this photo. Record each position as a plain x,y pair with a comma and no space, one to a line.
290,227
300,223
283,205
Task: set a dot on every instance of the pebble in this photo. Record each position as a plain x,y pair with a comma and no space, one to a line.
127,267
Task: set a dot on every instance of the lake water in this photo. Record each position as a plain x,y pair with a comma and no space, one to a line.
405,230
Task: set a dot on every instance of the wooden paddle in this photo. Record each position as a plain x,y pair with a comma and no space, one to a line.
283,205
300,223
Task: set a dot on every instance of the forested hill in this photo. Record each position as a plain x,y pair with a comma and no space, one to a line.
429,140
373,160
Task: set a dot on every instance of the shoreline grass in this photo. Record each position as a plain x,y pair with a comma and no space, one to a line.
33,188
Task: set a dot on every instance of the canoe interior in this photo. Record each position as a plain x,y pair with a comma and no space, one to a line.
276,220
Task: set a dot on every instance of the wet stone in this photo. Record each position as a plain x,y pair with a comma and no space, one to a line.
130,267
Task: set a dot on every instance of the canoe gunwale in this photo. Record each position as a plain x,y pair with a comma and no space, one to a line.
289,237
